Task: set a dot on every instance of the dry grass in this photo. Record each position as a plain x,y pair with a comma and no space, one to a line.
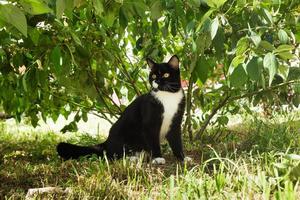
263,164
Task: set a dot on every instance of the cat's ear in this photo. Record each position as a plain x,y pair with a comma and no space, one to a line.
174,62
150,63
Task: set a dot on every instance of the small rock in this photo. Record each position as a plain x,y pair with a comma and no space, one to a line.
46,190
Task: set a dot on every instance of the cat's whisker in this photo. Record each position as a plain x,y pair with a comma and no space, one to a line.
170,88
170,83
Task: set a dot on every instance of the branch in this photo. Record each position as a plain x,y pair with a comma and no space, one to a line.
263,90
77,104
214,111
187,124
227,99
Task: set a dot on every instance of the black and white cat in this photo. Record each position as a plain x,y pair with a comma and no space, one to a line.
147,121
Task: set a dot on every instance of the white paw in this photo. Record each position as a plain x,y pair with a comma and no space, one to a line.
133,159
188,159
159,161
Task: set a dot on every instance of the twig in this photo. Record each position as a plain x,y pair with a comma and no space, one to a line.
121,63
102,115
90,74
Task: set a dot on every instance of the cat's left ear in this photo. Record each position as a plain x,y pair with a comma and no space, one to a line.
174,62
150,63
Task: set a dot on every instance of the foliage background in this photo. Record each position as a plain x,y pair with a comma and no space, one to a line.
64,56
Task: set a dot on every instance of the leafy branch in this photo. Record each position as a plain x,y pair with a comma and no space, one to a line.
69,101
229,99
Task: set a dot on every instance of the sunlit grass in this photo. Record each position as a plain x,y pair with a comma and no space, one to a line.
263,163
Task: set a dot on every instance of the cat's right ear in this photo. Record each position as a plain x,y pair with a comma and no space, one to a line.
150,63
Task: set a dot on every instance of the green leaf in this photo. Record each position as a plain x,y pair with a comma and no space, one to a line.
267,15
34,35
204,18
109,19
214,27
238,77
34,119
296,100
215,3
286,55
294,73
283,71
203,41
35,7
55,58
98,6
18,60
218,42
84,116
223,120
266,45
254,69
82,52
123,17
255,38
71,127
202,69
174,27
283,36
24,82
78,3
156,10
235,62
60,7
69,6
14,16
242,46
284,47
76,39
155,27
140,8
271,64
296,88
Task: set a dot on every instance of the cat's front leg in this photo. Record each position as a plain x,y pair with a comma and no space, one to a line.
152,141
175,142
153,145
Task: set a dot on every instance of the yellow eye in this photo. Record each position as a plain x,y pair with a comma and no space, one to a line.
153,76
166,75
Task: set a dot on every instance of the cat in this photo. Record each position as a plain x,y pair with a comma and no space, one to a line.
146,122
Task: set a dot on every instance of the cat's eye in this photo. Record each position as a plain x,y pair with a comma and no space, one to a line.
166,75
153,76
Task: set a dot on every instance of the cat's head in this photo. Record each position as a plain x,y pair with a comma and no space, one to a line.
165,76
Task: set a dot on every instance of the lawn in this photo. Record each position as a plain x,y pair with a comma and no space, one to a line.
259,159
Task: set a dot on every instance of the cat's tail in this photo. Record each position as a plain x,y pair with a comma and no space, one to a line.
71,151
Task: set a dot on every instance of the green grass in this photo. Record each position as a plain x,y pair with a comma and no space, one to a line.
256,160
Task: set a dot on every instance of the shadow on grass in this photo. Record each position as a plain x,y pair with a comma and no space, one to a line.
30,161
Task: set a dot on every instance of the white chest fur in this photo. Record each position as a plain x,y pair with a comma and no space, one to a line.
170,102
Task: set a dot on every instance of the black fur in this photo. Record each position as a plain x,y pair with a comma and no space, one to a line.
138,128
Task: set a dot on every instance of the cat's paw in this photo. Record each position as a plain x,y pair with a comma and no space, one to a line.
188,159
159,161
